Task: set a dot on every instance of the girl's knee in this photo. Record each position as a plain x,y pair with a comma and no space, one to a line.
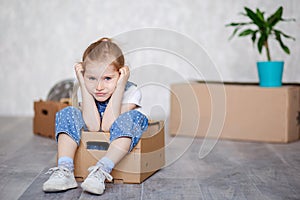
69,121
75,137
69,114
133,116
130,124
69,110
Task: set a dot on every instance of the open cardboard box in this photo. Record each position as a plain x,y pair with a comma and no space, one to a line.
44,116
252,113
146,158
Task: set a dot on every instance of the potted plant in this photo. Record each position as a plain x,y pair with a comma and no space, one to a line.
261,29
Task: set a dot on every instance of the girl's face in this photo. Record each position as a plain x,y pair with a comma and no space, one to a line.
100,80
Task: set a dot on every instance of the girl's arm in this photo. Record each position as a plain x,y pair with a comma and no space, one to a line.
90,112
115,107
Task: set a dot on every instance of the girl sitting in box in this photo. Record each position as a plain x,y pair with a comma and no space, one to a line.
109,103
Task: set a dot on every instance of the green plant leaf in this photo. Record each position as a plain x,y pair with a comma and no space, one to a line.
283,46
288,20
244,14
253,38
256,20
261,42
284,35
234,32
239,24
246,32
260,14
275,18
233,24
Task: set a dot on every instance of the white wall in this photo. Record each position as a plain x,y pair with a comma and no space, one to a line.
41,40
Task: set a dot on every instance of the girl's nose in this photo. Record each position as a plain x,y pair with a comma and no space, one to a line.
100,86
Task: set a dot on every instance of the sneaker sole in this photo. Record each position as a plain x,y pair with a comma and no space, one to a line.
51,189
91,190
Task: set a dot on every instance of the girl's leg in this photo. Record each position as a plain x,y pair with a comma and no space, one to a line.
66,146
125,133
69,123
118,149
68,126
66,151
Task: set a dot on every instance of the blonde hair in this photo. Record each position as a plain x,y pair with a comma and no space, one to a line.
104,50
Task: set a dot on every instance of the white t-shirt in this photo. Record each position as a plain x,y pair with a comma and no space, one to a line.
132,95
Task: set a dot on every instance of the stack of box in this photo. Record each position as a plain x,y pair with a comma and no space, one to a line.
235,111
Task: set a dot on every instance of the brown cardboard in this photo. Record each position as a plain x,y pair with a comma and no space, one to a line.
44,117
146,158
252,113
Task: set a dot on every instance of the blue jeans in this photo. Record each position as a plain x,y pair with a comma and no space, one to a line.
130,124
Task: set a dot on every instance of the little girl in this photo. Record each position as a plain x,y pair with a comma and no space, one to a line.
109,103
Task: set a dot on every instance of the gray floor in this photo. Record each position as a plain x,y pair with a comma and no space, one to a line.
233,170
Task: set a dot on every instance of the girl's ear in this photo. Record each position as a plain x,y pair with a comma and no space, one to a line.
83,67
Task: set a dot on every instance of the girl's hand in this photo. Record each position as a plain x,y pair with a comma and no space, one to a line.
79,73
124,75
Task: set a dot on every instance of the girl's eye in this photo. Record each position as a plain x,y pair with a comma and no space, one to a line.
107,78
92,78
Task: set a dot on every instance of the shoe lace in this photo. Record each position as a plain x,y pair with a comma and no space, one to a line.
58,172
100,174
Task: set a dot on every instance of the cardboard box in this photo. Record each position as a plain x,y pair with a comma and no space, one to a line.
146,158
252,113
44,117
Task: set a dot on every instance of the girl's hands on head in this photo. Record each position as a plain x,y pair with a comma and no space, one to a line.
79,73
124,75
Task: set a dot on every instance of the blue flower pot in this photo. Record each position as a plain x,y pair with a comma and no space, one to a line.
270,73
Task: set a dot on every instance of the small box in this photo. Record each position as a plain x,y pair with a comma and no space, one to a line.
145,159
252,113
44,117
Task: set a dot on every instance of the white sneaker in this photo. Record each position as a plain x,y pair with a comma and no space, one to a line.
61,179
94,183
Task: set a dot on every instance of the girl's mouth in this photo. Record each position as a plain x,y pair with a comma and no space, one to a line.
100,94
